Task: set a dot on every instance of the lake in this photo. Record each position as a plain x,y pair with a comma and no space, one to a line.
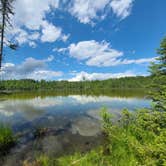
72,121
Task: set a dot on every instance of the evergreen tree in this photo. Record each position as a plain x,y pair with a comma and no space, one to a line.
6,10
158,71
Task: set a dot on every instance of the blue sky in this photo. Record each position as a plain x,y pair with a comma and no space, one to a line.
71,40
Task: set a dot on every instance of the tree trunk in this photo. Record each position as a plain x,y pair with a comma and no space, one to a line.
2,31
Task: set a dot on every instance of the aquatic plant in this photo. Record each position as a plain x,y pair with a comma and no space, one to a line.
40,132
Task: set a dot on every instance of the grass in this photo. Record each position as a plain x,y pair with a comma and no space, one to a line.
7,139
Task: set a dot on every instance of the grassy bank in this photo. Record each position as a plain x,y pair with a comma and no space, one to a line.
7,139
135,139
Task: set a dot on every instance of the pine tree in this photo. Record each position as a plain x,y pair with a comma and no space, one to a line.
6,10
158,71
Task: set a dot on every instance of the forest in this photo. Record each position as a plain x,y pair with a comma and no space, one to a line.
116,83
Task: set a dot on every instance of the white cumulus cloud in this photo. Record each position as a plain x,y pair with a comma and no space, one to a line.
31,17
101,54
30,22
50,33
122,8
30,68
100,76
86,11
32,13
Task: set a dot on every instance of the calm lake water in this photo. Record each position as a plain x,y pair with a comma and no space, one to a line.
25,111
73,120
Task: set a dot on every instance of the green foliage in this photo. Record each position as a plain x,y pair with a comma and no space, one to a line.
7,139
158,71
120,83
162,58
138,139
46,161
158,92
106,119
93,158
